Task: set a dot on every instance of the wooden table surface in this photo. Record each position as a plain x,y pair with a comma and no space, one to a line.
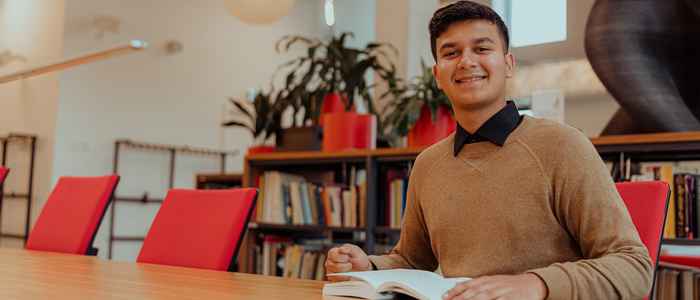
42,275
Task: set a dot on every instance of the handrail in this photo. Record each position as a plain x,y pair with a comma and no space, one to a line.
134,45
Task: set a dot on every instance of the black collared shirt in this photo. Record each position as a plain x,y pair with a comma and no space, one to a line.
495,130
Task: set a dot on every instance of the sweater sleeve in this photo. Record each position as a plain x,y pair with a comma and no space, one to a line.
413,251
615,263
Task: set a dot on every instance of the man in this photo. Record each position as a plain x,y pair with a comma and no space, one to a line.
523,205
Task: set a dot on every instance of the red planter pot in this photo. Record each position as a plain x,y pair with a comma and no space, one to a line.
348,130
260,149
332,103
426,132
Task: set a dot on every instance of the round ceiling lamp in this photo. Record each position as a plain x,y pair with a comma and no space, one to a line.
259,12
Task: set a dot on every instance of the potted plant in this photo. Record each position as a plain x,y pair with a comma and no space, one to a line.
330,82
420,110
262,119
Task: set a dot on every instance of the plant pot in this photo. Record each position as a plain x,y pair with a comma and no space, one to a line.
299,139
365,136
332,103
260,149
426,132
348,130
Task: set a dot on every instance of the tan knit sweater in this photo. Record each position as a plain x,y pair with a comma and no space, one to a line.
543,203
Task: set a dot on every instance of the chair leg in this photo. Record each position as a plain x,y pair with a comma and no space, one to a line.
92,251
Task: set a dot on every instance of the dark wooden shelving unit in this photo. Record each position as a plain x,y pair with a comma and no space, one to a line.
267,227
682,242
218,181
642,147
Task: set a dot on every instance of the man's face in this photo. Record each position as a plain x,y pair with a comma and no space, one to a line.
472,66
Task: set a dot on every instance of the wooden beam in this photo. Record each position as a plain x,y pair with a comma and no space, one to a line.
135,45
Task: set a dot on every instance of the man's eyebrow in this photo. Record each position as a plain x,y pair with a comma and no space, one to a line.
475,41
447,45
483,40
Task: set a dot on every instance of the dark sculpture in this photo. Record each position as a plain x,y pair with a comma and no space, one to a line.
647,54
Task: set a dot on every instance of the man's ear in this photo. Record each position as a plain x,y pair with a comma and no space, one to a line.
510,64
435,74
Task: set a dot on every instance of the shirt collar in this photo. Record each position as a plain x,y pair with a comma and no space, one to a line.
495,130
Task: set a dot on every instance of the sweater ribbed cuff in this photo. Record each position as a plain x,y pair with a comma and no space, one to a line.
557,282
380,262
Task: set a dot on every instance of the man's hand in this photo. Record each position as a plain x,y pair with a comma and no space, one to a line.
345,259
502,287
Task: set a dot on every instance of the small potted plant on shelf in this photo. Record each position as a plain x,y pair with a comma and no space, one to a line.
262,119
420,110
330,83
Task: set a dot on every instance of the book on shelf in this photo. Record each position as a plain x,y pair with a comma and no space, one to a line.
682,218
677,282
384,284
292,199
281,256
396,185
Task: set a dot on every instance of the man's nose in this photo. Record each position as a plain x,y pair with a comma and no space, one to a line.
467,61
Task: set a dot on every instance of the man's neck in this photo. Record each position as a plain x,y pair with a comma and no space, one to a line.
472,120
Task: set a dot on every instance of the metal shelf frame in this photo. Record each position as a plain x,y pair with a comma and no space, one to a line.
5,143
172,152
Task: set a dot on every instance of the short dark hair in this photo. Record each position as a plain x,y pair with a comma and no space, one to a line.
464,11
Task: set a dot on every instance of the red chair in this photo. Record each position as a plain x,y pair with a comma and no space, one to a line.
199,228
647,203
3,174
684,260
72,214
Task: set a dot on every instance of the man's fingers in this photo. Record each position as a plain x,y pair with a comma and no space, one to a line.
457,290
347,249
335,251
332,267
352,250
487,291
460,288
338,255
337,278
347,255
341,258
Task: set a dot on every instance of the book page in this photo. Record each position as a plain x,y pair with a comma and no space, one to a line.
417,283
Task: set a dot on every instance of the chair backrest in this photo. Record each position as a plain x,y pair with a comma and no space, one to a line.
199,228
647,202
72,214
3,174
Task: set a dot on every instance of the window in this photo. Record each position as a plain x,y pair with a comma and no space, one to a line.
533,22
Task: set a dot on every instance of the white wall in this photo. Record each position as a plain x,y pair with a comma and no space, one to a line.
357,16
34,30
155,97
418,46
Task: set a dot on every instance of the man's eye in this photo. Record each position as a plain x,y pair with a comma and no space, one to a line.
449,54
482,49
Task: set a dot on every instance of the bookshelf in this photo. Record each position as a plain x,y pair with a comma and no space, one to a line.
9,145
208,181
676,147
637,148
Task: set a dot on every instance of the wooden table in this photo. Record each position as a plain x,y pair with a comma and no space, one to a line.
42,275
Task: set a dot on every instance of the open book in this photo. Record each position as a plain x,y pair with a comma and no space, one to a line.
383,284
